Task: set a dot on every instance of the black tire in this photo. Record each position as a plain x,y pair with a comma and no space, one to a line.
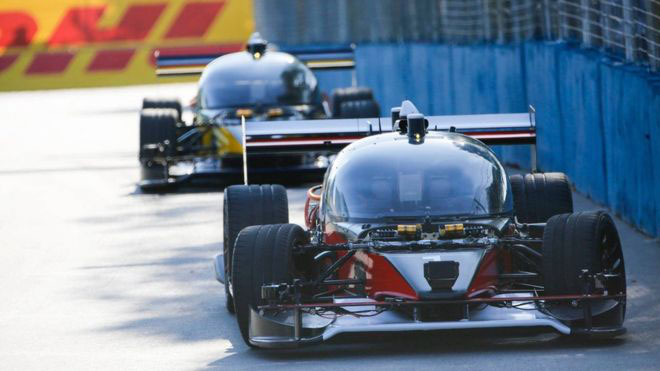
157,127
246,206
172,103
342,95
348,94
584,240
537,197
359,109
262,255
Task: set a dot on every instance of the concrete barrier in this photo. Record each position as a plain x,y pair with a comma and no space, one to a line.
631,123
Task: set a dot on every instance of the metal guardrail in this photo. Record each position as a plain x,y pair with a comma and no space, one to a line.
627,28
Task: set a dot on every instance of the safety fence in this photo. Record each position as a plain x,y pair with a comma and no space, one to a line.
627,28
78,43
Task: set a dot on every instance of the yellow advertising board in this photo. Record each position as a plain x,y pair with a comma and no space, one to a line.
82,43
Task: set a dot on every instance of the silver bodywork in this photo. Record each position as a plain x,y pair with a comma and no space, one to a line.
280,326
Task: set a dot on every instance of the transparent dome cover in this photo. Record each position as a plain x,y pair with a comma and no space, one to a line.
275,79
385,177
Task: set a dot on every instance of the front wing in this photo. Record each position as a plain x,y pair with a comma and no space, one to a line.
289,326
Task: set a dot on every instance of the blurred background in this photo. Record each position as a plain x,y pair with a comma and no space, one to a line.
82,43
590,68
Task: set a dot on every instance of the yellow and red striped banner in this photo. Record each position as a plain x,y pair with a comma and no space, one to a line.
82,43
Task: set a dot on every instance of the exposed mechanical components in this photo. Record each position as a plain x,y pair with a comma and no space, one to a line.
429,231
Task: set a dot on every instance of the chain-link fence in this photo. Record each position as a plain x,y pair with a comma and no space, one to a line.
627,28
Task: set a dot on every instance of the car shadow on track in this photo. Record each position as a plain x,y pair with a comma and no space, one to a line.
175,297
151,271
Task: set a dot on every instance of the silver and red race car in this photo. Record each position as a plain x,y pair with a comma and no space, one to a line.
419,227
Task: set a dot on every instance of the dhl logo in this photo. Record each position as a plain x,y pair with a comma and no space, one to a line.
91,44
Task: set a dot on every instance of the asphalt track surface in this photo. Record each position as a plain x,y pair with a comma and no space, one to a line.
96,275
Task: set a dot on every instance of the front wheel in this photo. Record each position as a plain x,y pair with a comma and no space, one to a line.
244,206
158,138
584,241
263,254
171,103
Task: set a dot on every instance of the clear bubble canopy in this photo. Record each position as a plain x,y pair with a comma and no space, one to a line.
384,176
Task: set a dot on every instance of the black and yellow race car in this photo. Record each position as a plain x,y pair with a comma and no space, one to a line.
257,85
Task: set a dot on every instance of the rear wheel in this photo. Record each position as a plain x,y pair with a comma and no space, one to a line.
537,197
364,104
572,243
157,139
359,109
171,103
246,206
262,255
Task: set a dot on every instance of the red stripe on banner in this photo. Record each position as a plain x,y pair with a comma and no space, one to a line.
194,20
111,60
80,25
44,63
16,29
7,60
195,50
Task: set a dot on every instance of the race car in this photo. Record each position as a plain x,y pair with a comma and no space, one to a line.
256,85
419,227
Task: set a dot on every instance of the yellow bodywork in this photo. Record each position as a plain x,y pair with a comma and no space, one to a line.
222,139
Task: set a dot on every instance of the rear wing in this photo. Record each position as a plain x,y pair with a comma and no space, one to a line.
334,134
334,58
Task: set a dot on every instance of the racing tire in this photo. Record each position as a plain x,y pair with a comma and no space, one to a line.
342,95
171,103
574,242
262,255
359,109
248,205
539,196
353,94
158,131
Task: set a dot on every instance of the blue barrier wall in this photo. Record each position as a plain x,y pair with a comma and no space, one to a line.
597,119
